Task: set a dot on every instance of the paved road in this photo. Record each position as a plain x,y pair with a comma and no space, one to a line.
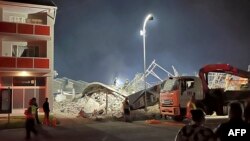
84,130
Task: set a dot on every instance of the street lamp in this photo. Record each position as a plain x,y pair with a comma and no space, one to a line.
143,33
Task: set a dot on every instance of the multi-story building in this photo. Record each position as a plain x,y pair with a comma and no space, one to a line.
27,50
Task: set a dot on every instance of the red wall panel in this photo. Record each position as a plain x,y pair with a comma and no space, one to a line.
7,62
41,63
7,27
42,30
24,63
25,29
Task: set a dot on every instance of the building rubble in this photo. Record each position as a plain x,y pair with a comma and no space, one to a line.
78,98
90,105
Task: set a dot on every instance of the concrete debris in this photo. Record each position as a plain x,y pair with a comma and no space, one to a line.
90,106
60,98
97,101
68,85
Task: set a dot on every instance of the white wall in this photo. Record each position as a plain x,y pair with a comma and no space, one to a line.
50,54
7,45
7,14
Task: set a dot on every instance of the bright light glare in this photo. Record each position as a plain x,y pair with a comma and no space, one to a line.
141,32
24,73
149,17
119,82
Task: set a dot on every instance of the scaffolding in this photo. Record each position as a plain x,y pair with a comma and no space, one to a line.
226,81
137,82
216,80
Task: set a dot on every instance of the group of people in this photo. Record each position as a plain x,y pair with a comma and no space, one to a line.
32,118
237,127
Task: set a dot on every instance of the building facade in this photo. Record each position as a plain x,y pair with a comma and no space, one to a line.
27,50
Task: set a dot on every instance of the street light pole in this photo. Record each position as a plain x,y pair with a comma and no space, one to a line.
143,33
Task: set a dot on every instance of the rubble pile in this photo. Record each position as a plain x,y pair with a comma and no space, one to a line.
66,108
91,106
79,98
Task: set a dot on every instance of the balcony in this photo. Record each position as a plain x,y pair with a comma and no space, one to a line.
14,63
23,28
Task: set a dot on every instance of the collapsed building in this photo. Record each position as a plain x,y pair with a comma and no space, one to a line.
91,100
96,99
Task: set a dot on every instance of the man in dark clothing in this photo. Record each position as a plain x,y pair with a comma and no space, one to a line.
235,128
36,115
46,111
196,131
126,110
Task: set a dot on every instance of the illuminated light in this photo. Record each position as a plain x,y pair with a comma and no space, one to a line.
142,32
32,82
24,73
119,82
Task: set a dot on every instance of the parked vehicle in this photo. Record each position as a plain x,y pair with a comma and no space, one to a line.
232,85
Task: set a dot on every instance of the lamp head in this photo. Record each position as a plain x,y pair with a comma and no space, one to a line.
148,17
151,17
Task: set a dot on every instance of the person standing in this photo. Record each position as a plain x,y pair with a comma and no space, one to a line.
196,131
46,111
190,106
126,110
36,115
225,131
30,119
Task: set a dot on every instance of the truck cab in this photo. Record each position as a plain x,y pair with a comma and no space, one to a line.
176,92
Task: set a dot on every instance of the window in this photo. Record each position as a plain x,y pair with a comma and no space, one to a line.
40,81
190,84
186,84
18,51
25,51
170,85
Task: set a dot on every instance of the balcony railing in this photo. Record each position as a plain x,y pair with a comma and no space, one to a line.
23,28
24,62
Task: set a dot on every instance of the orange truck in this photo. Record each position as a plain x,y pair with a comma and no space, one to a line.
176,91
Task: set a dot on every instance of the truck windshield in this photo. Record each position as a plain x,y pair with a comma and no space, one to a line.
170,85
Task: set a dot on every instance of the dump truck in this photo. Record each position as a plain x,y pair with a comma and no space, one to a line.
214,88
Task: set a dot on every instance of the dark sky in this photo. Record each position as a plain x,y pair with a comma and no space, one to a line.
97,40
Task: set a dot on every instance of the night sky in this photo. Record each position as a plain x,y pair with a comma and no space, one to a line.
98,40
